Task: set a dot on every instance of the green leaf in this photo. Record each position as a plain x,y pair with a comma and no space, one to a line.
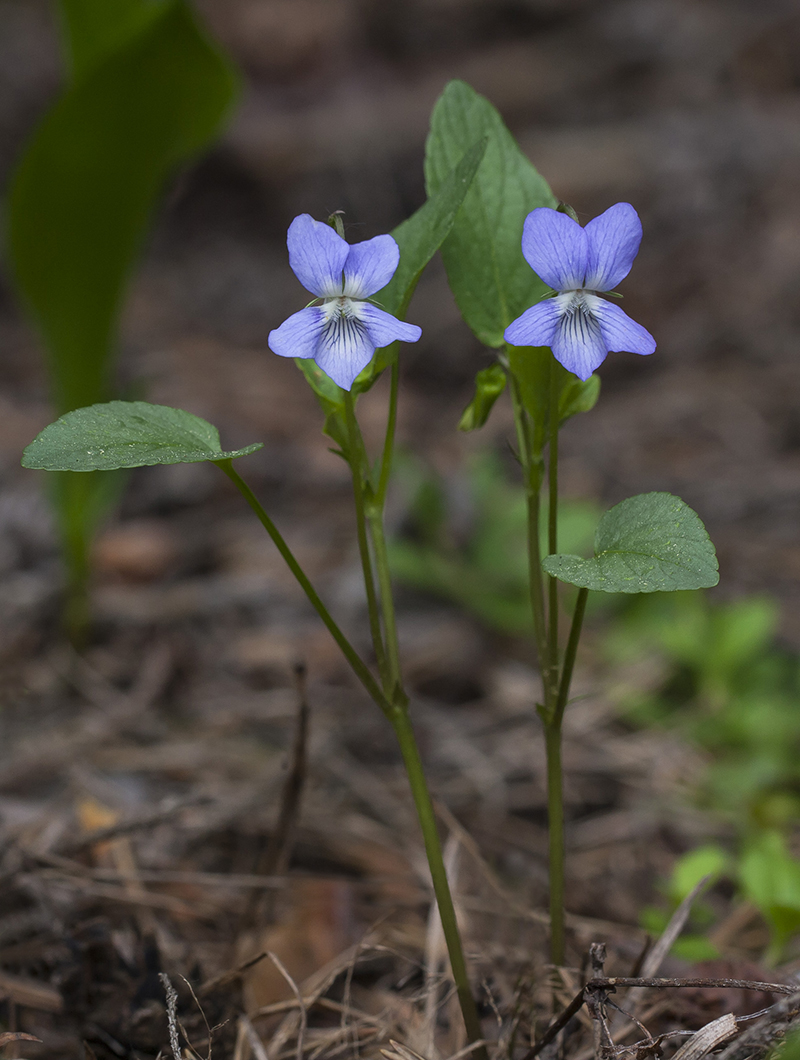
331,400
531,367
419,237
489,385
488,275
126,434
578,395
85,189
650,543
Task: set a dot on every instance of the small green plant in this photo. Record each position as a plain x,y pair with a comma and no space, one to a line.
481,564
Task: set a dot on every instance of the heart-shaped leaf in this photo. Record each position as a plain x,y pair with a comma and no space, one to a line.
126,434
646,544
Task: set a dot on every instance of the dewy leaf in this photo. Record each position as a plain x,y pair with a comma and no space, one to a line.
489,277
646,544
489,385
126,434
84,191
419,237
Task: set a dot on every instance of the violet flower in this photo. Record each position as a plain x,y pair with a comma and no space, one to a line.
579,263
342,333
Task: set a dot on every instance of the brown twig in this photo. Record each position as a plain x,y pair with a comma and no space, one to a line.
610,984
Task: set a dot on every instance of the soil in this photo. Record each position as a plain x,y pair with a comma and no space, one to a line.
140,783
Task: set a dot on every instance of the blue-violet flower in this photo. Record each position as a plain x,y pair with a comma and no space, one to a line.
579,263
343,332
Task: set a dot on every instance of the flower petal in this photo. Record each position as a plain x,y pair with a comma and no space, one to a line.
556,248
537,325
620,333
317,256
344,349
370,265
614,239
383,328
578,343
299,335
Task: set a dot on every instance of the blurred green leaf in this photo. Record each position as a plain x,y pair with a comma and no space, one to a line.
93,29
650,543
84,191
488,275
126,434
709,860
489,385
770,878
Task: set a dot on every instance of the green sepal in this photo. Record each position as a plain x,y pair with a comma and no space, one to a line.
649,543
489,385
121,434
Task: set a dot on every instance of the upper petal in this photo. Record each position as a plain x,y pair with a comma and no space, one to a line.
614,239
619,332
345,349
578,343
317,255
556,248
370,265
299,334
383,328
536,326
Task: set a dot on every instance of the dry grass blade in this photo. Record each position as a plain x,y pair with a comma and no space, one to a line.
708,1038
399,1051
31,993
172,1015
677,922
759,1039
301,1033
16,1036
253,1039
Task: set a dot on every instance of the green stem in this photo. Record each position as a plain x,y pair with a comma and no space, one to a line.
357,664
441,888
552,535
398,715
387,599
531,467
555,821
570,653
388,442
356,462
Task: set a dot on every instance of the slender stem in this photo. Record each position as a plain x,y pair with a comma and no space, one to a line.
531,467
555,821
356,462
388,442
357,664
397,713
552,533
444,899
570,653
387,599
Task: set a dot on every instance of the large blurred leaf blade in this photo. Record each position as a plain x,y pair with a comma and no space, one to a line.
120,434
93,29
86,186
490,279
650,543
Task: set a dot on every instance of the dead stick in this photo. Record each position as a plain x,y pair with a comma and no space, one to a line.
574,1006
